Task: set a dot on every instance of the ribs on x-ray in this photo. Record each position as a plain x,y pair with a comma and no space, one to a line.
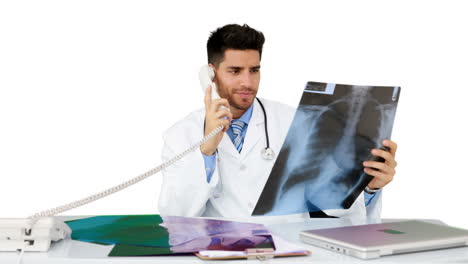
333,131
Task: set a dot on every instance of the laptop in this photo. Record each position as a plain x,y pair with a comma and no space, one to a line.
375,240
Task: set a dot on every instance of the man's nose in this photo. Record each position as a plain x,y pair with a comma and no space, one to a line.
246,79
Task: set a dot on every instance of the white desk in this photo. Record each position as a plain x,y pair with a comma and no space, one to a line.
70,251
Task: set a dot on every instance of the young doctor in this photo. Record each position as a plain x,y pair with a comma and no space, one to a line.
226,177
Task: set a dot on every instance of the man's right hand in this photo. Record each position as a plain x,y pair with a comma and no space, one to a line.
215,115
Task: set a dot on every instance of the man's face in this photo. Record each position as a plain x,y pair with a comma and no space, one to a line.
238,77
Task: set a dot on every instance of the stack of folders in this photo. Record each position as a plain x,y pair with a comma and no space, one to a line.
155,235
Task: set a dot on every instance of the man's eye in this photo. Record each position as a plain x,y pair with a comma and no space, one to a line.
234,71
255,70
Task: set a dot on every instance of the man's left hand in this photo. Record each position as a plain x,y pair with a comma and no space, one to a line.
383,172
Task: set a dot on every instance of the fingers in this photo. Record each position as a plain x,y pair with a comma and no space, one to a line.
208,98
215,114
382,177
223,112
224,118
380,166
216,104
383,172
225,123
389,159
391,145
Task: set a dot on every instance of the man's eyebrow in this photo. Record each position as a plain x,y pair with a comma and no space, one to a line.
239,68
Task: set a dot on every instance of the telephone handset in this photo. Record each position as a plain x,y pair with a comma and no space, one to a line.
36,232
206,76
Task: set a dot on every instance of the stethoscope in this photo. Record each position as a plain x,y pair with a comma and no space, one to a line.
267,152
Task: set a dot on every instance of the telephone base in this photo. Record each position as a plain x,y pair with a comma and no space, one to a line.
16,234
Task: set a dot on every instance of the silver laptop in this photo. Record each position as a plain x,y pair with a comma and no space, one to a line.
375,240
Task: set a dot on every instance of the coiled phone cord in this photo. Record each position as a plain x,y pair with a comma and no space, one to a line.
92,198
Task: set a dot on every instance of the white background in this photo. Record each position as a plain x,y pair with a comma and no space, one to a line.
88,87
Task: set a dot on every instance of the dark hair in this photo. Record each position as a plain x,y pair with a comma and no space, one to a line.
233,36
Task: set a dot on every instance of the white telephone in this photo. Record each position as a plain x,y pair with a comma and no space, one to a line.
23,234
206,76
36,232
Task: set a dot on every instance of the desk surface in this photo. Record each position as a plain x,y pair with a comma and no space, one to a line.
71,251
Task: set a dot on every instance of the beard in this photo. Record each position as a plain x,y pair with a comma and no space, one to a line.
241,103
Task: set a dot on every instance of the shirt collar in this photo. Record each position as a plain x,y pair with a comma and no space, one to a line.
246,116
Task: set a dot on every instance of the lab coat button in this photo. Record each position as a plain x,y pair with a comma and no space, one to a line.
251,205
243,167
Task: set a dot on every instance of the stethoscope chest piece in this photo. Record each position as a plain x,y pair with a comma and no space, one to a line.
268,153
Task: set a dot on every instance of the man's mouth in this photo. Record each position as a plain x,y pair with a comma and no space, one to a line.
244,94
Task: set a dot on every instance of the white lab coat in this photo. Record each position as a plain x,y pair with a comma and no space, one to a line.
239,178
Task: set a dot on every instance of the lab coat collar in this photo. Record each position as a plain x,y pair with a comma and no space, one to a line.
253,135
254,131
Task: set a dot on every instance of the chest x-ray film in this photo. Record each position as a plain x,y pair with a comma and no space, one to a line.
333,131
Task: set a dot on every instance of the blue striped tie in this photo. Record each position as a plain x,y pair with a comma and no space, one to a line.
237,127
